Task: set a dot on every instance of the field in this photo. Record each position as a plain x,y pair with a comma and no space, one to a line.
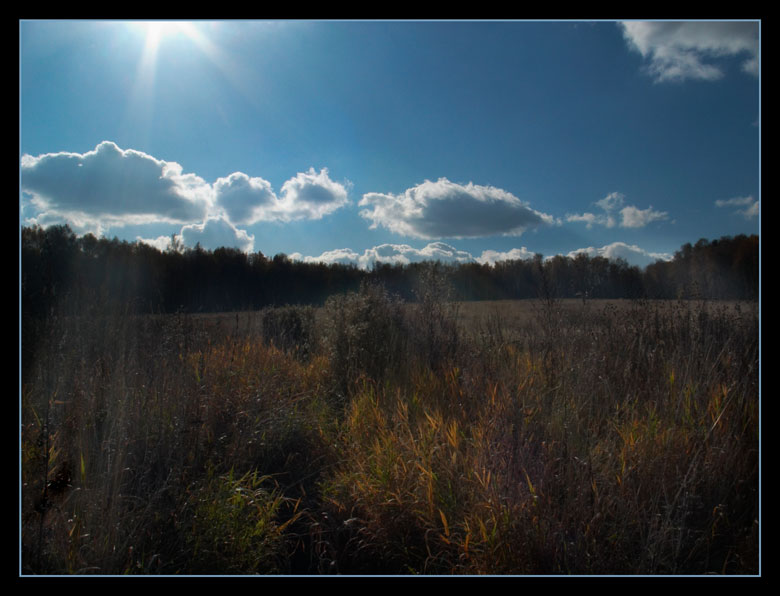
374,437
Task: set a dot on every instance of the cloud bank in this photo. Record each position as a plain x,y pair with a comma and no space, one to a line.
677,51
403,254
393,254
615,214
444,209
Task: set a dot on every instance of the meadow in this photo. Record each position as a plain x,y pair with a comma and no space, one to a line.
372,436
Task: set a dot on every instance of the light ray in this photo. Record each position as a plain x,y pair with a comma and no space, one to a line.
140,110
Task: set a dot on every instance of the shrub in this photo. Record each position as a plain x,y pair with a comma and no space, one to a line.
364,335
434,320
290,328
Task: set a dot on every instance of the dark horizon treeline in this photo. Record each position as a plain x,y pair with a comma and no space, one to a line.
77,274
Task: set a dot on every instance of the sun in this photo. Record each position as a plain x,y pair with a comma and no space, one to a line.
153,34
156,31
156,39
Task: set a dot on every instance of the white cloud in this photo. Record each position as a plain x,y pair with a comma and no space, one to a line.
215,233
403,254
630,253
491,257
630,216
435,251
310,195
612,201
341,256
751,210
111,187
79,222
245,200
161,243
690,50
639,218
444,209
591,219
395,254
114,186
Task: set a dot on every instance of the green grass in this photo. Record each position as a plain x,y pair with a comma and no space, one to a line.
557,437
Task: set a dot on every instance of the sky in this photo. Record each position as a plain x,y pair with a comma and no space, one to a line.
393,141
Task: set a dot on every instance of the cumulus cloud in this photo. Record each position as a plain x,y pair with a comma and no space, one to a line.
311,195
444,209
751,206
616,214
245,200
113,185
308,195
79,223
677,51
620,250
215,233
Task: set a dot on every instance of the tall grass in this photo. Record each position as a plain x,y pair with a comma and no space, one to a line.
146,415
623,459
586,439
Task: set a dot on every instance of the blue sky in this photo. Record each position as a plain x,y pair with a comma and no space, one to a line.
358,141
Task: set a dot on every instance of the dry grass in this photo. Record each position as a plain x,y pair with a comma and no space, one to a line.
482,438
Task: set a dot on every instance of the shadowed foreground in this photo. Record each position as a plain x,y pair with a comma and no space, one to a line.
371,436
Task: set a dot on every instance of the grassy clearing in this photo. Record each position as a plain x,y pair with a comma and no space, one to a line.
370,436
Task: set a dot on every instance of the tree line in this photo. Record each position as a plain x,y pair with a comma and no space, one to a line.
75,274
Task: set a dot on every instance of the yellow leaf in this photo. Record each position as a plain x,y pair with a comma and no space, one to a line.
444,521
483,530
530,485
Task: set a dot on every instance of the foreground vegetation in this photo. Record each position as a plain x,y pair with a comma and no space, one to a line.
371,436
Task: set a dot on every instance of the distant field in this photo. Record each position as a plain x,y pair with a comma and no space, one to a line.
525,312
512,315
